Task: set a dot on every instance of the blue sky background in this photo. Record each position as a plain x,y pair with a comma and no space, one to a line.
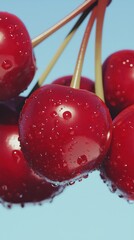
86,210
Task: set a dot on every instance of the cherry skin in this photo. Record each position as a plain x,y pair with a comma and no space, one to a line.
64,132
18,183
17,61
85,82
118,167
118,78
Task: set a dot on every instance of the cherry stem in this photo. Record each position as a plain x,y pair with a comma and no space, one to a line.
62,47
61,23
101,8
75,83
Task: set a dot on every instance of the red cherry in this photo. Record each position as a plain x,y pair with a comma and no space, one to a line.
17,62
18,183
118,77
64,132
118,167
85,82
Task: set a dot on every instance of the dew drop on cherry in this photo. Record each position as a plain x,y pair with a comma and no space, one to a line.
7,64
67,115
4,187
82,160
16,155
71,183
54,114
113,188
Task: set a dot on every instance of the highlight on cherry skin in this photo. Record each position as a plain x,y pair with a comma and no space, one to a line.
67,136
18,183
17,60
118,80
85,83
118,166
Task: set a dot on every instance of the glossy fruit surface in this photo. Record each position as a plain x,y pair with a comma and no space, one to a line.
17,62
118,78
118,167
64,132
18,183
85,82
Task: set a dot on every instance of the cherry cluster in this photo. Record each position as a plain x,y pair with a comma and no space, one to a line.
63,131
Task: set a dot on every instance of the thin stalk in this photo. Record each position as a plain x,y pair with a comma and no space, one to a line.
61,23
101,8
62,47
75,83
58,53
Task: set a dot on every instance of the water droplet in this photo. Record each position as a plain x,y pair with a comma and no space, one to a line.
113,103
130,201
86,105
85,176
121,196
7,64
22,205
71,132
30,136
4,187
113,188
11,27
67,115
96,114
16,155
34,126
13,36
21,53
117,93
82,159
9,206
71,183
54,185
54,114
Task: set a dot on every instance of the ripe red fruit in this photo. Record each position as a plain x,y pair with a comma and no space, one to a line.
64,132
18,183
17,62
85,82
118,167
118,78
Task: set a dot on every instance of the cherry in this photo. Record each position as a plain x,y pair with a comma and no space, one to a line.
17,61
85,83
18,183
118,79
64,132
117,169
